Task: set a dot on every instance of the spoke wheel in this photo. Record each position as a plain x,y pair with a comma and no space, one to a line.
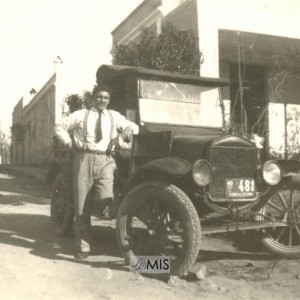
158,219
283,206
62,213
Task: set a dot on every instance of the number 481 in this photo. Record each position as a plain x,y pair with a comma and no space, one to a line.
246,185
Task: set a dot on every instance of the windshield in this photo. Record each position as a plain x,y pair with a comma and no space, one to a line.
180,104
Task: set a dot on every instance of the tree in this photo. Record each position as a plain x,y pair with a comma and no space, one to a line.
3,138
4,148
174,51
286,76
249,104
250,107
76,102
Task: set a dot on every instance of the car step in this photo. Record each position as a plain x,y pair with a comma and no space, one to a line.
241,227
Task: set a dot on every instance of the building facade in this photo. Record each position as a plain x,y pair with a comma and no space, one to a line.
32,127
33,121
254,44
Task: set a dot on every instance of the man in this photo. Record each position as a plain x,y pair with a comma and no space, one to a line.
93,168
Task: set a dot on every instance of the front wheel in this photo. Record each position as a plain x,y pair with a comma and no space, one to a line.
283,206
159,219
62,212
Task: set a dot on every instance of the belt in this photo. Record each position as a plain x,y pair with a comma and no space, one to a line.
96,152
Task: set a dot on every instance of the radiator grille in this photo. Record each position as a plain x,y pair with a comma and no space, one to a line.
230,163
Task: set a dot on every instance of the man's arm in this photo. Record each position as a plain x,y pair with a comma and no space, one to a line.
67,124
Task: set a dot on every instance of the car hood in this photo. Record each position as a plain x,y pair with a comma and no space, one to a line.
192,148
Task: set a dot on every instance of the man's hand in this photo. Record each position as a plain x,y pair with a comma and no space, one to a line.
127,134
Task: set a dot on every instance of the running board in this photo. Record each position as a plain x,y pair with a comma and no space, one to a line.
241,227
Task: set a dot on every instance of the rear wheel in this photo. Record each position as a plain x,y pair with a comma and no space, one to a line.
62,212
283,206
158,219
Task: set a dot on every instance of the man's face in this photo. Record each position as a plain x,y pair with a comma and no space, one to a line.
101,100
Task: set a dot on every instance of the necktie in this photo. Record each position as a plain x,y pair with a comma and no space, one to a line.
98,133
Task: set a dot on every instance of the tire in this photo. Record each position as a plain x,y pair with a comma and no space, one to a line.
62,212
283,206
158,219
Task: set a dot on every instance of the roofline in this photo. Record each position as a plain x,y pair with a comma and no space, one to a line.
131,14
114,71
39,94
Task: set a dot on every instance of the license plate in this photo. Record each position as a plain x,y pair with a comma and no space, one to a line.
240,188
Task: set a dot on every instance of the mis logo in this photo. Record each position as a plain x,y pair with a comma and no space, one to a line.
150,264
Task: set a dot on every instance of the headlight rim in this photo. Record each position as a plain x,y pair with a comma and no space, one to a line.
210,171
279,168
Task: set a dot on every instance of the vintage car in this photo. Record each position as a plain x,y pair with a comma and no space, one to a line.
183,170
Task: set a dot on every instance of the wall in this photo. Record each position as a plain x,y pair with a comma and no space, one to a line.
38,119
274,17
39,122
278,18
147,10
184,17
264,28
16,147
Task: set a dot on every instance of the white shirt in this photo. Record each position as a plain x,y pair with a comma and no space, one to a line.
74,122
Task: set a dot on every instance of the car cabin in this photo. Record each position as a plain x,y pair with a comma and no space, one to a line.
164,101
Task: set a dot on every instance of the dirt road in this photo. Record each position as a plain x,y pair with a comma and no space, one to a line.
36,264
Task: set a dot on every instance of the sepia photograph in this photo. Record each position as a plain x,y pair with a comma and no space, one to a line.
150,149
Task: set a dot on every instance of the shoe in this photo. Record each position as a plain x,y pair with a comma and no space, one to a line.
81,255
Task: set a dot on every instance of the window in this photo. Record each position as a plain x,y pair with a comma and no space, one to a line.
179,104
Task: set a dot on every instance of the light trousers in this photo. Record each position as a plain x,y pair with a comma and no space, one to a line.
91,174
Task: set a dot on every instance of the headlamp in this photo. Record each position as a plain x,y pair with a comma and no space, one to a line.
271,173
202,172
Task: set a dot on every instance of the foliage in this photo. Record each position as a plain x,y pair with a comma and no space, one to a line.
283,74
249,106
77,102
285,71
173,50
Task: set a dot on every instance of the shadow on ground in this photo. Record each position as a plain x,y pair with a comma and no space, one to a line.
35,233
23,187
242,246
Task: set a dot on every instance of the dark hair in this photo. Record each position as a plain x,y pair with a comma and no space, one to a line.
101,87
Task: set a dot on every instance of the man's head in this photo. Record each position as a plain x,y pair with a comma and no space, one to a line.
101,96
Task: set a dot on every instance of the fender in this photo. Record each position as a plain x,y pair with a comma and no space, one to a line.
291,172
170,167
289,166
290,179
